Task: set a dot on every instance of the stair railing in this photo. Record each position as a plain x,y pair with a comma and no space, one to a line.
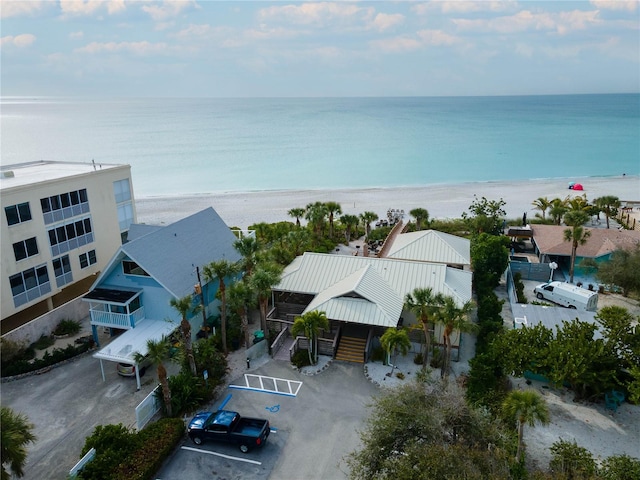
367,345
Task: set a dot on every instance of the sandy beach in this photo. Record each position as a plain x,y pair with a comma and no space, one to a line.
241,209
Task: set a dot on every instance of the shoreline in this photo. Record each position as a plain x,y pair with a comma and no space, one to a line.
241,209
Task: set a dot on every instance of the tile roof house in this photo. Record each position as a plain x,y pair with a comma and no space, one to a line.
156,265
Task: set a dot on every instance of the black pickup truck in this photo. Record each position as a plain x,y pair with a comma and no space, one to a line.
230,427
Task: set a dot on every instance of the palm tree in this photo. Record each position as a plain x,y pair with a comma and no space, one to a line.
309,325
423,303
332,208
394,339
421,215
248,247
15,433
296,213
542,204
557,210
221,269
577,234
350,222
527,407
158,352
367,218
315,213
578,203
452,317
264,277
184,306
609,205
240,298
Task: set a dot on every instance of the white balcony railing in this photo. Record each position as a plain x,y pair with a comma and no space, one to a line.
117,320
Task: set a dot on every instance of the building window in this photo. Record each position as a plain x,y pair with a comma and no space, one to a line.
66,237
29,285
132,268
18,213
64,206
25,249
62,271
125,216
88,258
122,191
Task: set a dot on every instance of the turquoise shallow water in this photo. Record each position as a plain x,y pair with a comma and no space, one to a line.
179,146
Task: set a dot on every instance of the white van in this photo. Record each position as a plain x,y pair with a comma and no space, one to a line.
568,295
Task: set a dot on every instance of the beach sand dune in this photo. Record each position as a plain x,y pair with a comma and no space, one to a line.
241,209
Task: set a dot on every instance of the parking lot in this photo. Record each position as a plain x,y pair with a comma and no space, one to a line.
311,431
314,430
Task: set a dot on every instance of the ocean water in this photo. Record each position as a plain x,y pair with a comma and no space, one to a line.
182,146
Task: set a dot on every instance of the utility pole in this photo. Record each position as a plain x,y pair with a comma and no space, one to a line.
204,313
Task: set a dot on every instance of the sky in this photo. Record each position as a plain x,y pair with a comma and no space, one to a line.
189,48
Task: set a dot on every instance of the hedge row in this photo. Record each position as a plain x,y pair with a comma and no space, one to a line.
18,367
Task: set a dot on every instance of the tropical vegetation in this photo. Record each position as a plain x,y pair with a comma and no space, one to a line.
15,434
309,325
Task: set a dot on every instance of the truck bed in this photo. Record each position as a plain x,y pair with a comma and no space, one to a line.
250,426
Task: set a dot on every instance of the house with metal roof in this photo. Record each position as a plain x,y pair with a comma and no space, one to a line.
361,296
156,265
432,246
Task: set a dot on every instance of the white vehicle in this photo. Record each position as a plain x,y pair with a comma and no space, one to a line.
567,295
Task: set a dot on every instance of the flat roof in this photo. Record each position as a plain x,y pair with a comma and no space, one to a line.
123,348
109,295
29,173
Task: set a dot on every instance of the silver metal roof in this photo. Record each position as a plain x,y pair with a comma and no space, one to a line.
361,297
550,317
382,281
431,246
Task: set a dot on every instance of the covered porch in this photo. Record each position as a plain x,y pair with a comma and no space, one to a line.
114,308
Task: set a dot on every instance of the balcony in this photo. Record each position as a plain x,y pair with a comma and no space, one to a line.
103,318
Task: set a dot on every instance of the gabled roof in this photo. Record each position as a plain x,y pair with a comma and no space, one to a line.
313,273
550,241
171,254
431,246
361,297
137,230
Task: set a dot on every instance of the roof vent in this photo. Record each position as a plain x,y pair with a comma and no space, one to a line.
7,174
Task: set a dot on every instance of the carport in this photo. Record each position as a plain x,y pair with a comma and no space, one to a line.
527,315
124,347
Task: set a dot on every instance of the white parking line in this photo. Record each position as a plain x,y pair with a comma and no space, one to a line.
229,457
278,386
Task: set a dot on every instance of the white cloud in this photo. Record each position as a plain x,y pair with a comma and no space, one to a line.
168,9
76,35
15,8
630,5
20,41
437,38
135,48
81,7
397,44
464,6
523,21
318,14
384,21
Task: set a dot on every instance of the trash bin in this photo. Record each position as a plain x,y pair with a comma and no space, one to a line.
258,336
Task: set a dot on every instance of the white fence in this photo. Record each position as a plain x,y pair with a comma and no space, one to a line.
147,408
73,473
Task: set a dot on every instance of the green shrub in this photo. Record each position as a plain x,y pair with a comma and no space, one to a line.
437,358
301,358
208,357
123,454
567,458
188,392
517,280
67,327
154,444
418,358
10,350
22,365
43,342
400,375
620,467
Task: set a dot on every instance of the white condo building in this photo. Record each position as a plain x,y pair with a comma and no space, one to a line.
61,224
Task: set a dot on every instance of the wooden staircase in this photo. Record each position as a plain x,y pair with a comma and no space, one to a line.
351,349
